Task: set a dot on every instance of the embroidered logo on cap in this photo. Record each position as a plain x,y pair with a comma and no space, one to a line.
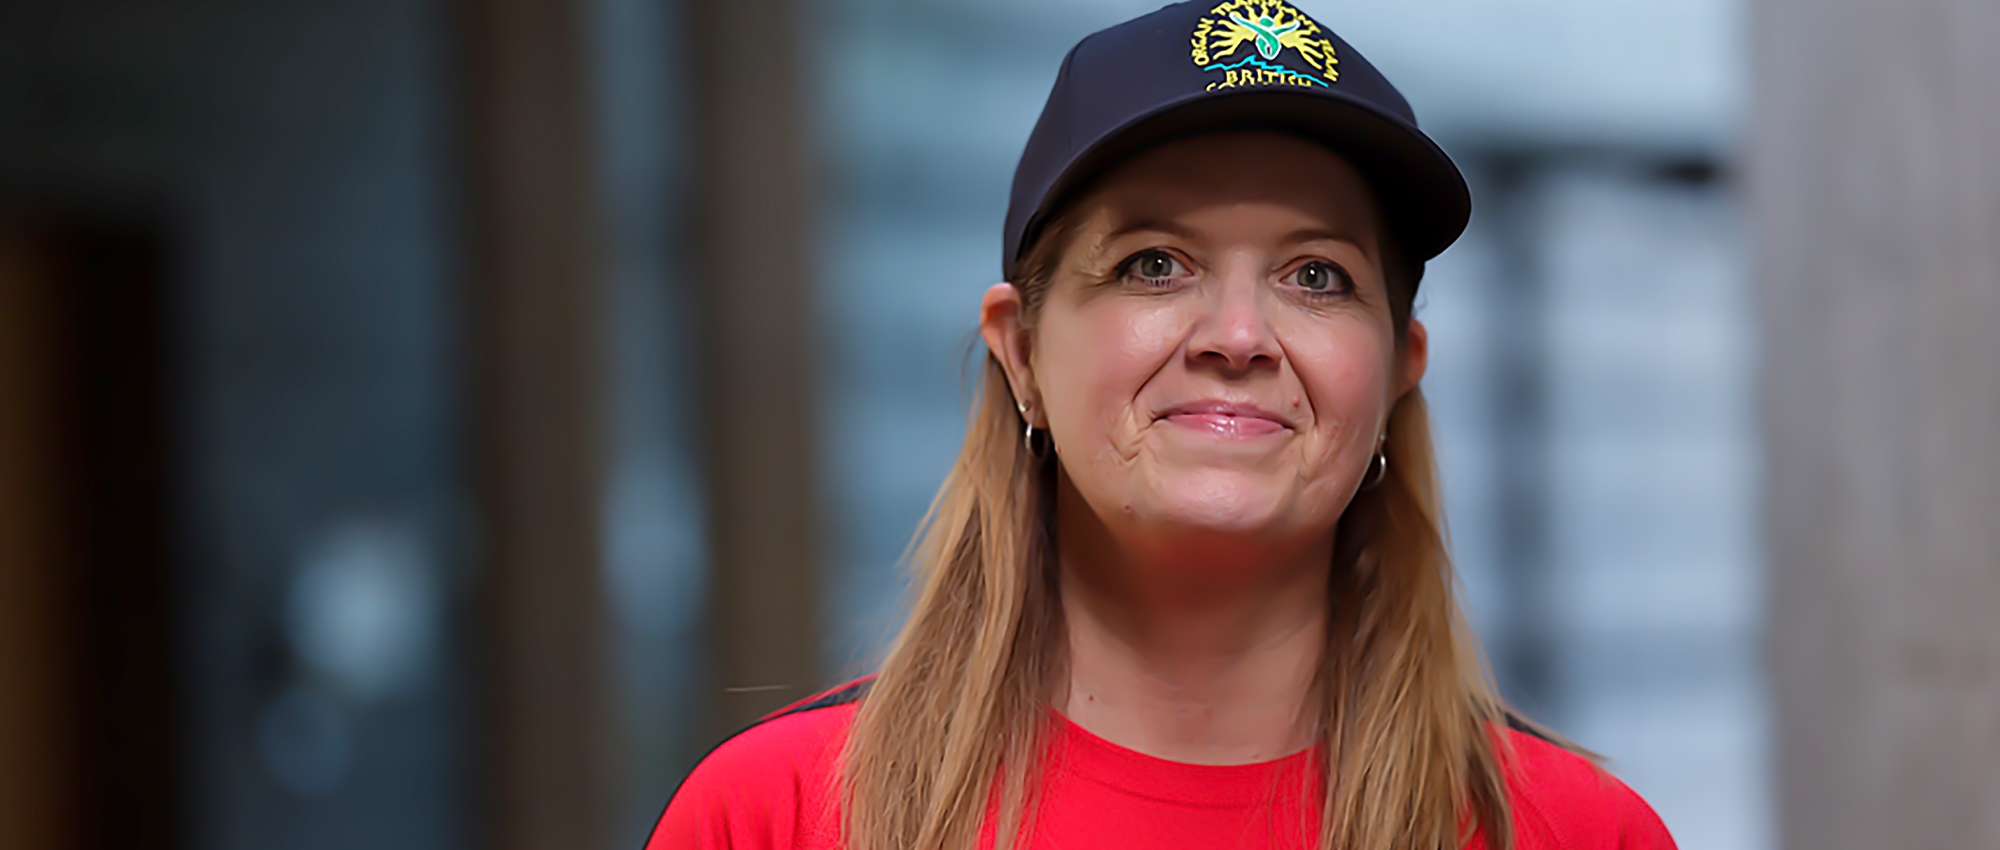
1262,43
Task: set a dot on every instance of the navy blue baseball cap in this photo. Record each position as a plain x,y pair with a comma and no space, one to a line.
1211,65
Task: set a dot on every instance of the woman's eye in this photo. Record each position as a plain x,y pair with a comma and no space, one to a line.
1323,276
1154,266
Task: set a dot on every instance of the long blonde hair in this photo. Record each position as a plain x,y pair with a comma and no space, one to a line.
958,715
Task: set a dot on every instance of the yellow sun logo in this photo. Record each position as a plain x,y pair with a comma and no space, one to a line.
1278,33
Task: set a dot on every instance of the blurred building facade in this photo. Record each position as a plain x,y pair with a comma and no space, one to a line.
292,162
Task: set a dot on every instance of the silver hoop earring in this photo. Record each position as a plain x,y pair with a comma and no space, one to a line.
1027,429
1378,469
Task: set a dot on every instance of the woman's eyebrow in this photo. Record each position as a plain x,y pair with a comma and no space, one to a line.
1315,234
1101,245
1150,226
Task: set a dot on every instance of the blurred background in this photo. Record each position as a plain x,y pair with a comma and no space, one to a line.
430,424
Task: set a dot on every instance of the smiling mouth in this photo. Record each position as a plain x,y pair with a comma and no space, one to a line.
1229,421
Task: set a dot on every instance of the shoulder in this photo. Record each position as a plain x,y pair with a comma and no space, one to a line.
772,786
1564,801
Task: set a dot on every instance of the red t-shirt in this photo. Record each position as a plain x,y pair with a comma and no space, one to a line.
773,787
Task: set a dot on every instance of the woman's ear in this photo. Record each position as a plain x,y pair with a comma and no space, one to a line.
1416,357
1000,325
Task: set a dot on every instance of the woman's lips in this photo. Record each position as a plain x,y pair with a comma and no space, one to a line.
1223,419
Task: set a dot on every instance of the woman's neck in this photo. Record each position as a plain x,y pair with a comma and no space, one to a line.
1201,663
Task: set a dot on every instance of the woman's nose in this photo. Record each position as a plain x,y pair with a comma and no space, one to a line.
1234,332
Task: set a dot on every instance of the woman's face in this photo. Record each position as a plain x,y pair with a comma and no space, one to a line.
1215,355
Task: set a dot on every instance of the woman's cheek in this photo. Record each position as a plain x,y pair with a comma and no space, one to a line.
1146,332
1129,340
1346,376
1088,381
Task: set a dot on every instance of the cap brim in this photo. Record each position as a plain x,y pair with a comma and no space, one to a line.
1422,194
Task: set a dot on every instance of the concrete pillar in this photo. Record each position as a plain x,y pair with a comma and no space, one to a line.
754,285
535,293
1875,186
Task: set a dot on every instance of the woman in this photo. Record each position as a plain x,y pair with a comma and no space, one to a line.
1186,585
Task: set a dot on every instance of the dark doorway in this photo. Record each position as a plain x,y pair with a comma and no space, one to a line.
87,634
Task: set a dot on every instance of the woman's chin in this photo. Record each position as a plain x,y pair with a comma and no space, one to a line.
1221,503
